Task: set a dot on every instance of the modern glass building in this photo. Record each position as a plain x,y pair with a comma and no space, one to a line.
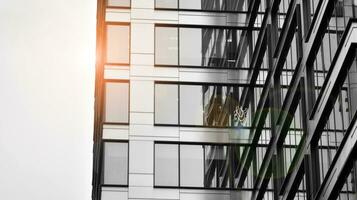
226,99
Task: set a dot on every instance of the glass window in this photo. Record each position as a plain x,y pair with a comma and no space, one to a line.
115,163
198,47
191,46
166,103
170,4
191,4
191,165
117,102
205,5
118,3
166,165
198,165
118,44
216,166
166,45
191,104
198,105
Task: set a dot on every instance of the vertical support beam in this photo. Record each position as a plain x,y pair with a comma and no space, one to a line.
98,104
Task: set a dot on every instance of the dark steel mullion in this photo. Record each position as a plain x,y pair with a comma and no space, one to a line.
341,166
318,117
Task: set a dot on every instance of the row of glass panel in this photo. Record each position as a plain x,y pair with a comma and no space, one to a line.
185,165
197,46
193,165
205,5
190,165
180,46
198,105
180,104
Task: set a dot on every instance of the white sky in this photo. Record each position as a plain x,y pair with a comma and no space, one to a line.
47,58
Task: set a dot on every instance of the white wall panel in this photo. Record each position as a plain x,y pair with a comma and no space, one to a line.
115,132
154,131
142,96
141,118
114,195
151,193
151,71
142,59
111,72
142,38
141,180
192,196
114,15
141,155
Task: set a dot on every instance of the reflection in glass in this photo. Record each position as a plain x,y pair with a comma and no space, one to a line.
217,166
199,105
191,165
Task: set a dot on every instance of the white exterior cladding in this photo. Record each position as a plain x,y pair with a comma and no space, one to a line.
142,73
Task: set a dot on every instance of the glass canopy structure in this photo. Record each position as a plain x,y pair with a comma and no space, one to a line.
226,99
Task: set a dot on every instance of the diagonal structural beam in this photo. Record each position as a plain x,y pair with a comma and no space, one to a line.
292,181
341,165
328,95
259,118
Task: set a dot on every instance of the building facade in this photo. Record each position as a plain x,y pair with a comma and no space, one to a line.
225,99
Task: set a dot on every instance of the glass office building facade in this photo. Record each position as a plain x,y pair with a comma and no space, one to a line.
226,99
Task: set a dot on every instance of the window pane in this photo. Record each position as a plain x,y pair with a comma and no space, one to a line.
166,4
119,3
118,43
166,50
191,165
190,4
116,163
191,104
166,165
191,46
216,166
117,102
166,103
